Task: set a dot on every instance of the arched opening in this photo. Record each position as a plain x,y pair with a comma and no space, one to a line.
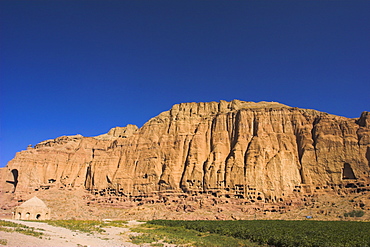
19,215
15,174
27,215
348,172
38,216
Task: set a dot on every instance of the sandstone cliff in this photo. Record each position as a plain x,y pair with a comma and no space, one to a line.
262,151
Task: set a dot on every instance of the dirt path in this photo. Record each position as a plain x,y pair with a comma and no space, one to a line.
58,236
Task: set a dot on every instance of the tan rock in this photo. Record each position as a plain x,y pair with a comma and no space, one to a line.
256,151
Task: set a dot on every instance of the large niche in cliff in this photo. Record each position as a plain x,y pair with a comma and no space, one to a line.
15,179
348,172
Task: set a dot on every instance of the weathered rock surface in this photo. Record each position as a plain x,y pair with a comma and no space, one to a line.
259,152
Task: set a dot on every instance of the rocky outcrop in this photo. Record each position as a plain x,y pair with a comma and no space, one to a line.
262,151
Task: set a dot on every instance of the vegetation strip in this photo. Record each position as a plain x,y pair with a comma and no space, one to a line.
283,233
88,226
7,226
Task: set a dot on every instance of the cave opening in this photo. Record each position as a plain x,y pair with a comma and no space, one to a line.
348,172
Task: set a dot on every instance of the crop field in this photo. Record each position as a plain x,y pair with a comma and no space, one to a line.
282,233
157,235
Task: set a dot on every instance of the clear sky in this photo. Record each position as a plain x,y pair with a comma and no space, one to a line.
83,67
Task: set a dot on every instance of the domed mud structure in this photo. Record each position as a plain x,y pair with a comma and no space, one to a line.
33,209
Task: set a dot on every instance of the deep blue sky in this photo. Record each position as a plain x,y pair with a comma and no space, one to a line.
83,67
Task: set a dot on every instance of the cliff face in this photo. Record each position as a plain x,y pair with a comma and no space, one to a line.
257,151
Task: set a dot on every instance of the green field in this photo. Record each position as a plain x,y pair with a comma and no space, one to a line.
307,233
280,233
157,235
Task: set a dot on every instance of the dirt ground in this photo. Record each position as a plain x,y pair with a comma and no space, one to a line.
57,236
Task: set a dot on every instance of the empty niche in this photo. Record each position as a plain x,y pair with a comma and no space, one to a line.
15,179
348,172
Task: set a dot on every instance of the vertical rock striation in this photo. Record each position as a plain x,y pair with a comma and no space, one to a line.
257,151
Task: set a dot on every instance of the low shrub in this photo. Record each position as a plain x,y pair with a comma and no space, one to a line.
8,226
3,242
354,213
89,226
